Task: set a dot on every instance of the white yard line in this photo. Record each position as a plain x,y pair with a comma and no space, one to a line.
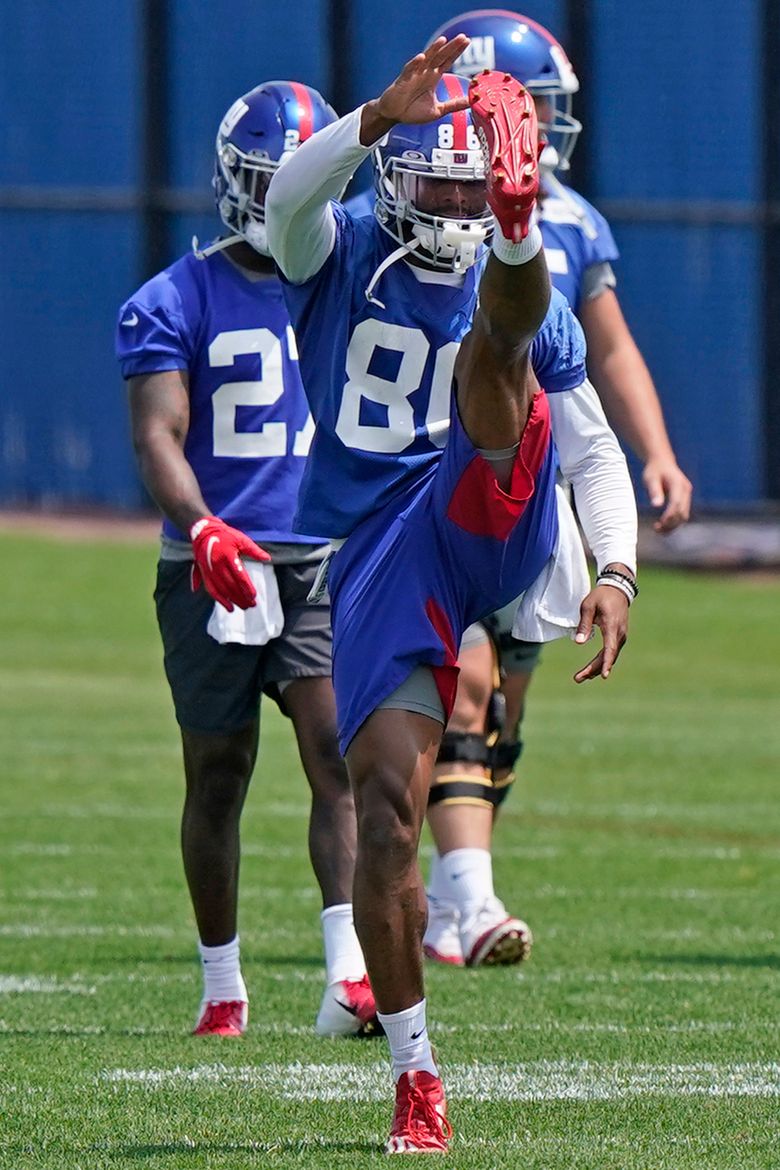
51,895
560,1027
31,930
538,1081
641,893
35,984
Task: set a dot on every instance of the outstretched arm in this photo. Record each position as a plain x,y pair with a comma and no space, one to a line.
299,220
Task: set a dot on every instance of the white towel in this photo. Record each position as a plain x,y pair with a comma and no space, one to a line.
255,626
550,607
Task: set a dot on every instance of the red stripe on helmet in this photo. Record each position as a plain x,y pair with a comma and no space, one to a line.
305,110
460,119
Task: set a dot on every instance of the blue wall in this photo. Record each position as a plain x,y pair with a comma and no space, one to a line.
675,120
71,117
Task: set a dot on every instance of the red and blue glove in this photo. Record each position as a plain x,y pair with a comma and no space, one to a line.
218,550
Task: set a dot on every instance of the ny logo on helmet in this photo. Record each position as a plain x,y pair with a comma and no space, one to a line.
480,54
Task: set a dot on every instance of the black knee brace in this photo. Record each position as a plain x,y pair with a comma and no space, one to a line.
460,789
460,747
503,755
464,748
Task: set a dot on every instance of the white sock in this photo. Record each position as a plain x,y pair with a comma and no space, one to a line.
510,253
468,874
438,890
343,954
407,1035
222,979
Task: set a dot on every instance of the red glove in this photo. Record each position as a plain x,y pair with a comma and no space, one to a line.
218,549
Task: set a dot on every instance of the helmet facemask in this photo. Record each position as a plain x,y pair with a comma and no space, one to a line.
557,126
241,181
445,226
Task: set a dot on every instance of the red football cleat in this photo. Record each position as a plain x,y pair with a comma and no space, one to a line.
420,1123
348,1008
222,1018
505,120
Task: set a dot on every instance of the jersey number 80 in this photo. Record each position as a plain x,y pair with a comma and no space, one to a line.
394,394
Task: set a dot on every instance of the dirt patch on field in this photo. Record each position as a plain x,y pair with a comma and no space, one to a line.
93,524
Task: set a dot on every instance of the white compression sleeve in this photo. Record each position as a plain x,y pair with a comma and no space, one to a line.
298,216
592,461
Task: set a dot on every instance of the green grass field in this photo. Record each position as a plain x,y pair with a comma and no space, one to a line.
642,844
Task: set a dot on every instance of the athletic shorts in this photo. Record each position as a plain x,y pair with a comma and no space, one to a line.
449,550
217,688
514,656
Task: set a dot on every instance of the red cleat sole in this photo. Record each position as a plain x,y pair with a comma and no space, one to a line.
504,116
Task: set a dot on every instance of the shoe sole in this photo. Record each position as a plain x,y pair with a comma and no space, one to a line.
439,957
408,1148
511,164
366,1029
505,945
232,1032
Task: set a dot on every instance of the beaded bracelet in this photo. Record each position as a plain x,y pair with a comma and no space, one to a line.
620,581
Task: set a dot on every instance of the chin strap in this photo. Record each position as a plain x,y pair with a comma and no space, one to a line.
383,267
202,253
465,241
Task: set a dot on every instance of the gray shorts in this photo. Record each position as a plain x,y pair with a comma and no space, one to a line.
217,688
417,693
515,657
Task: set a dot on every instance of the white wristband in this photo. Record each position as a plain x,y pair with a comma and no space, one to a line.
198,527
509,253
616,583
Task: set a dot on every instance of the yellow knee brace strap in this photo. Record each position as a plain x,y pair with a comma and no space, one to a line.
459,788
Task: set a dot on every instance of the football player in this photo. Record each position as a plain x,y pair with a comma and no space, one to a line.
221,428
432,467
476,765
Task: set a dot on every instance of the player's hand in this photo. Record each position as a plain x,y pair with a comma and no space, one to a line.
218,550
607,608
412,96
667,485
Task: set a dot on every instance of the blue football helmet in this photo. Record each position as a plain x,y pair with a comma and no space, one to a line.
259,131
430,187
518,45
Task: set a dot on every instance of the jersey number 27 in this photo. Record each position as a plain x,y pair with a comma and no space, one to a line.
271,439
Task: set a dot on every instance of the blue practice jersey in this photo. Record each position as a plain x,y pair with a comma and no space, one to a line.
250,426
379,381
576,236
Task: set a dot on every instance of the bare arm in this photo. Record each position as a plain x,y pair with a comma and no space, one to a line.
160,419
632,406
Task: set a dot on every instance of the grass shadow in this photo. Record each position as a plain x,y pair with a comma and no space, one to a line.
720,960
280,1146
